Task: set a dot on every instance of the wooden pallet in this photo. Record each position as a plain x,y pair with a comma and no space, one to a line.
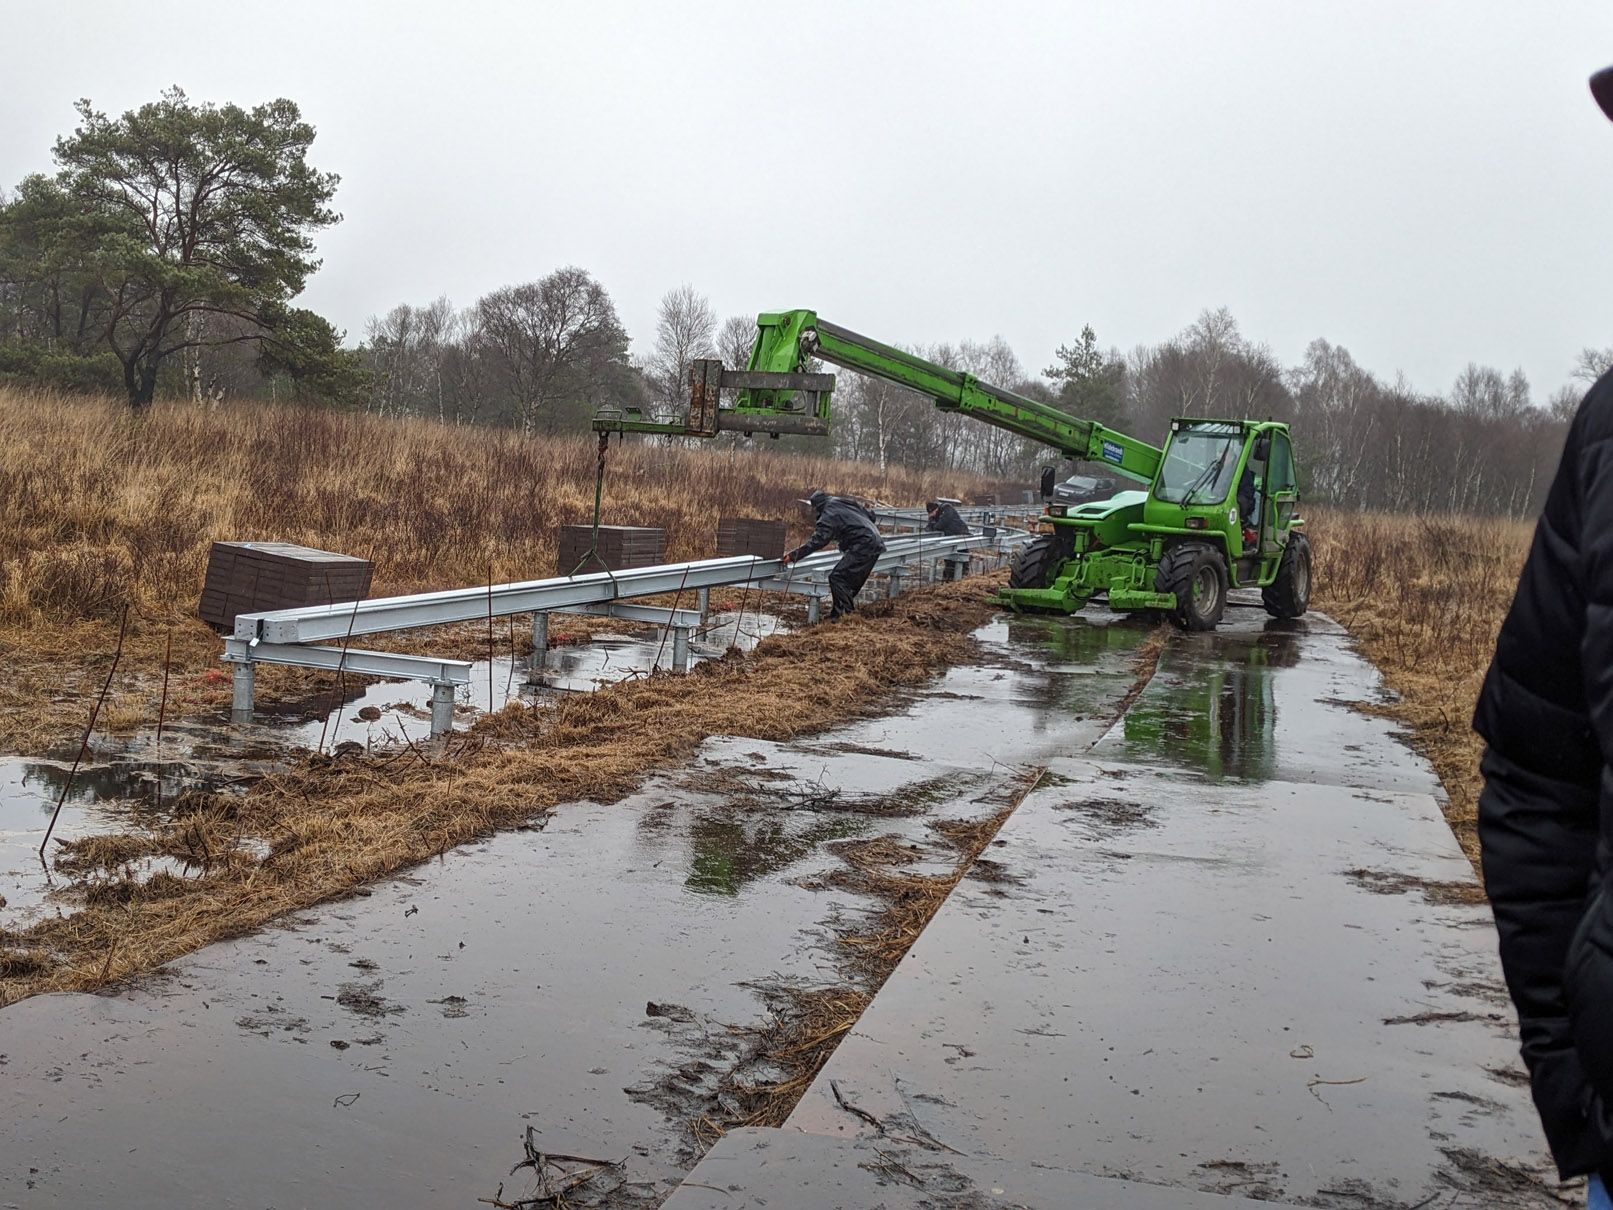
253,577
620,547
756,536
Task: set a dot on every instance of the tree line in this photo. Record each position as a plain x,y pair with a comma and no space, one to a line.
165,254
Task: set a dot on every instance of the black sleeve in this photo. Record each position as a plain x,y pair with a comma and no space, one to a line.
1538,836
1595,579
1588,974
822,535
1547,700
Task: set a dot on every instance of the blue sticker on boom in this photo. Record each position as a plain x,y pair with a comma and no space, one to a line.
1112,452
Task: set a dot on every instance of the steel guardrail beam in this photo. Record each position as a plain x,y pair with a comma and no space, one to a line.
334,659
324,623
688,619
319,623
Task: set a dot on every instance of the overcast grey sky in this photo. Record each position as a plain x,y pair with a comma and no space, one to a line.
1427,184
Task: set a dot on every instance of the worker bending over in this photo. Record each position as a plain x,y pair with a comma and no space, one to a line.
944,519
850,527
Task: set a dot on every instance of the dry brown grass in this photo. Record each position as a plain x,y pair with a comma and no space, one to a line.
1424,598
105,510
335,824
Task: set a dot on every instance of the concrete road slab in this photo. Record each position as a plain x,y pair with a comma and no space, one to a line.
1249,957
785,1170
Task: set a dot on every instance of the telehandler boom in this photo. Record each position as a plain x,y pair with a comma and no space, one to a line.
1220,509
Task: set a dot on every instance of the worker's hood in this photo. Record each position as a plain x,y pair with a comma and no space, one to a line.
1602,90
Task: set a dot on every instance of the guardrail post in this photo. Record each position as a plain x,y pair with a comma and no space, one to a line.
702,602
241,702
894,584
813,610
442,708
540,642
680,648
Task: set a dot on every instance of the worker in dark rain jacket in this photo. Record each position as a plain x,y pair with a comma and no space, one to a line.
1546,812
944,519
851,527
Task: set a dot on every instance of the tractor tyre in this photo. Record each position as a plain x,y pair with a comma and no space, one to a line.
1195,574
1037,563
1289,595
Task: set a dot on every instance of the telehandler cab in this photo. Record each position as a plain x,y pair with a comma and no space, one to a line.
1221,509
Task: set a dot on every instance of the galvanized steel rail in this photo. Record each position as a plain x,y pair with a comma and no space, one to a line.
294,636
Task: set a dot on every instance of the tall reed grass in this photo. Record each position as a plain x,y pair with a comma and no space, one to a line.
105,510
103,507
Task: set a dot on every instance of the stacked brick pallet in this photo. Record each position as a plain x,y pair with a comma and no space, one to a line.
252,577
750,536
620,547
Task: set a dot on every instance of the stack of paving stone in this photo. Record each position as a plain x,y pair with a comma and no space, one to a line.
750,536
620,547
254,577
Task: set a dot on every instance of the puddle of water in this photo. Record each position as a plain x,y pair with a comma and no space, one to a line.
524,968
118,784
121,778
1263,699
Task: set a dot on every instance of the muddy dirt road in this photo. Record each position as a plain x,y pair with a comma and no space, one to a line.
1204,924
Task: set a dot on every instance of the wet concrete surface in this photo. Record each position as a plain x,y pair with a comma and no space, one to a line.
1227,945
588,980
784,1170
1235,949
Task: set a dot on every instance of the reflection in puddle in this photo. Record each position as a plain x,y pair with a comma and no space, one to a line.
122,782
728,852
1212,705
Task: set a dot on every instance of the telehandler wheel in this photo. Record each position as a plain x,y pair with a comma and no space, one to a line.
1195,575
1037,563
1289,595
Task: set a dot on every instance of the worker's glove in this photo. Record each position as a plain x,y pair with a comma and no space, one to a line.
792,556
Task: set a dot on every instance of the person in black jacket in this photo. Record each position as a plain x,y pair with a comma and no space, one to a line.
944,519
1546,811
851,527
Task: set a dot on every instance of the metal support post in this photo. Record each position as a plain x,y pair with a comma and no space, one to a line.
894,584
680,648
442,708
540,642
241,704
703,603
813,611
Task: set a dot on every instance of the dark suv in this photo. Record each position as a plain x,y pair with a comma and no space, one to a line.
1084,489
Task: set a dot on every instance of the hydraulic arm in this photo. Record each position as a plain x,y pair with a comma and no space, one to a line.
788,340
779,393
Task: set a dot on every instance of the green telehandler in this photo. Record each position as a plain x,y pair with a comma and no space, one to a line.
1220,510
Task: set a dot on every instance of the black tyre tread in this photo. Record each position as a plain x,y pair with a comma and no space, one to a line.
1280,597
1036,563
1175,576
